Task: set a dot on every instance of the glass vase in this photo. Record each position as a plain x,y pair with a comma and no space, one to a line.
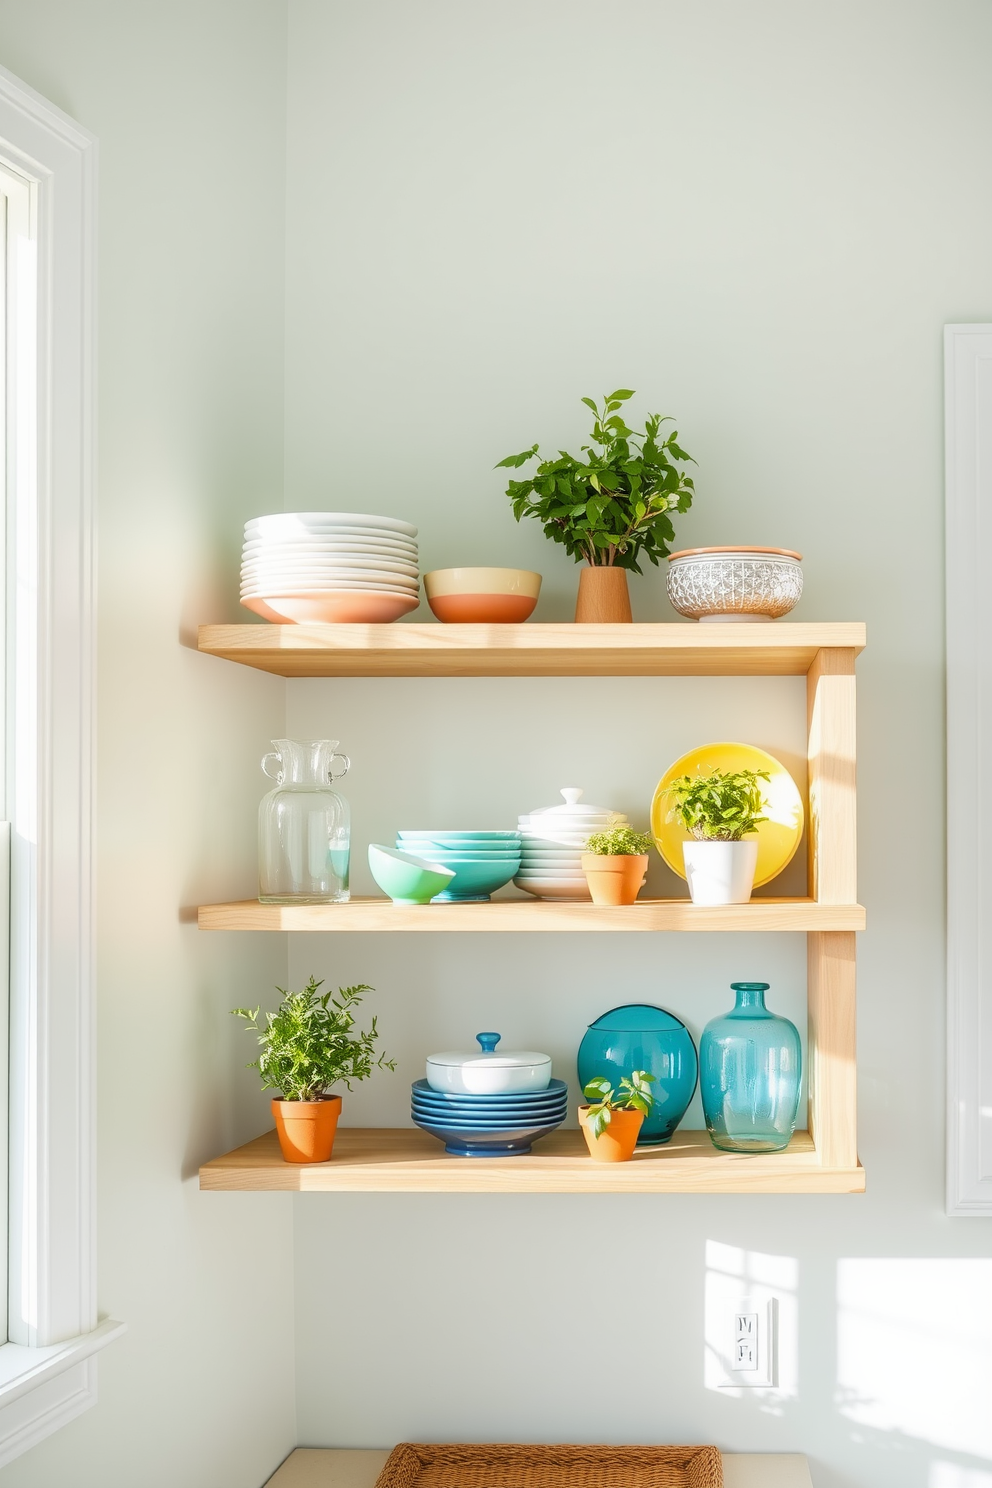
750,1069
640,1036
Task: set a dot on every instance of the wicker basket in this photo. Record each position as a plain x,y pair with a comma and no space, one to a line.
502,1465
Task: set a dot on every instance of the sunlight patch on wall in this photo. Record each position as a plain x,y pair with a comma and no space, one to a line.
914,1354
948,1475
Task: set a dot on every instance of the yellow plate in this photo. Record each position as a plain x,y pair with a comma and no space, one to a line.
778,837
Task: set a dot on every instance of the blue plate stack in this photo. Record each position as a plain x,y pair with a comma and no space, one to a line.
489,1125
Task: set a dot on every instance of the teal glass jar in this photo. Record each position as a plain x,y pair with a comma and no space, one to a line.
750,1070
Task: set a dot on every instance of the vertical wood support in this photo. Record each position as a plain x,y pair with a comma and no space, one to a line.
830,711
831,1047
833,879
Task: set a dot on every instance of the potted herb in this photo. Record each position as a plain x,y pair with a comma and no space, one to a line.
305,1047
610,508
719,811
615,862
612,1121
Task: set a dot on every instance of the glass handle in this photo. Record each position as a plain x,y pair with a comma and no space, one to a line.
488,1041
275,774
333,774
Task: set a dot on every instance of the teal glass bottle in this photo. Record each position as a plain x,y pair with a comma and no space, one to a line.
750,1069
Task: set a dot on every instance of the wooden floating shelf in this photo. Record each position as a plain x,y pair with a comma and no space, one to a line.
781,649
518,915
407,1160
822,1160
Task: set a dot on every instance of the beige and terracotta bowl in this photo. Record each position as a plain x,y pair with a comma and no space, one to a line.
486,596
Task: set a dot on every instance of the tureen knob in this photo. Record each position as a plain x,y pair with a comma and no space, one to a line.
571,794
488,1041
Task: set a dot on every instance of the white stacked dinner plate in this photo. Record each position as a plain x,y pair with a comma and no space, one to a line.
330,566
552,841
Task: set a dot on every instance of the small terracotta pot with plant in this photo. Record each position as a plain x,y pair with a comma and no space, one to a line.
305,1047
721,812
611,1123
615,863
610,507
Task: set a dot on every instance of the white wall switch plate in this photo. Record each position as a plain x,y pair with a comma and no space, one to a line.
749,1355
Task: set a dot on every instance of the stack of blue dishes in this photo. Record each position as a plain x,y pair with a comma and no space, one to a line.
481,861
489,1125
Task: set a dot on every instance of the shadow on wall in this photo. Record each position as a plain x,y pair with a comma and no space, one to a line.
908,1366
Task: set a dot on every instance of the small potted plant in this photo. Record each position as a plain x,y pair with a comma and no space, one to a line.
610,507
721,812
611,1122
615,862
305,1047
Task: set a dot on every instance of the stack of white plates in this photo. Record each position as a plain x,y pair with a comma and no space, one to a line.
552,843
331,566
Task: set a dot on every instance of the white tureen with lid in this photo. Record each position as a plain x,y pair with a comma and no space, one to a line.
486,1072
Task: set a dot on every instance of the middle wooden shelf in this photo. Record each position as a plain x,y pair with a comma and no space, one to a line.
518,915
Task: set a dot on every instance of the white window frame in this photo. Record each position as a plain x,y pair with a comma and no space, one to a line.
968,452
48,1369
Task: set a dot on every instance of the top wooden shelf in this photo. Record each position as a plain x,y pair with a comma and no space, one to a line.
775,649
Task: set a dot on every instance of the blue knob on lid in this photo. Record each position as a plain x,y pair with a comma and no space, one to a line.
488,1041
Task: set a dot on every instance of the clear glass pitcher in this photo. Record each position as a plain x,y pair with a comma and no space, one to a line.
304,827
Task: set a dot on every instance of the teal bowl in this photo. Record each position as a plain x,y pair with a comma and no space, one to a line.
453,839
476,880
406,879
452,855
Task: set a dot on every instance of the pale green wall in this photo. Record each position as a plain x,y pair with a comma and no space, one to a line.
759,216
188,101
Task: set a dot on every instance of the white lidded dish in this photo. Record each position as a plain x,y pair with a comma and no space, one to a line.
486,1072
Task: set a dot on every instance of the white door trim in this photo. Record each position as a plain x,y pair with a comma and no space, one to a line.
968,411
47,1374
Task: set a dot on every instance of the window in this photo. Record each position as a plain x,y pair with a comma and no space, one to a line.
47,1369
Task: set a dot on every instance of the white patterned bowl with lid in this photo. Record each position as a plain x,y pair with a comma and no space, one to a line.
741,583
486,1072
552,842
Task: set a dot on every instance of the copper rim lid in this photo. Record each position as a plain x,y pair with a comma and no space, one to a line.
735,548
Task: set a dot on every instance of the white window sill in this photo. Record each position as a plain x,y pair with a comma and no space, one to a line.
43,1388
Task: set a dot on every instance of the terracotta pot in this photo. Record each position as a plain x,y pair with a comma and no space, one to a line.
615,878
306,1128
603,597
617,1142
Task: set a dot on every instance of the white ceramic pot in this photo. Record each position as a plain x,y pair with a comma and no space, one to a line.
485,1072
720,872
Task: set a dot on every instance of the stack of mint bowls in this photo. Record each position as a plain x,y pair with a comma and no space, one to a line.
482,862
488,1104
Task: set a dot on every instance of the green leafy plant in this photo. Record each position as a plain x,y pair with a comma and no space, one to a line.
306,1045
723,806
633,1095
612,507
619,841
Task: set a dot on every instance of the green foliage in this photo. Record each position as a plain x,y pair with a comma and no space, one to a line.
618,841
306,1045
633,1095
613,506
722,807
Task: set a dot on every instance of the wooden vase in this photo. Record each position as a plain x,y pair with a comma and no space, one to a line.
603,598
617,1142
306,1128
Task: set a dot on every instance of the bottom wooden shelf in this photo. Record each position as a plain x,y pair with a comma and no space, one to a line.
407,1160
